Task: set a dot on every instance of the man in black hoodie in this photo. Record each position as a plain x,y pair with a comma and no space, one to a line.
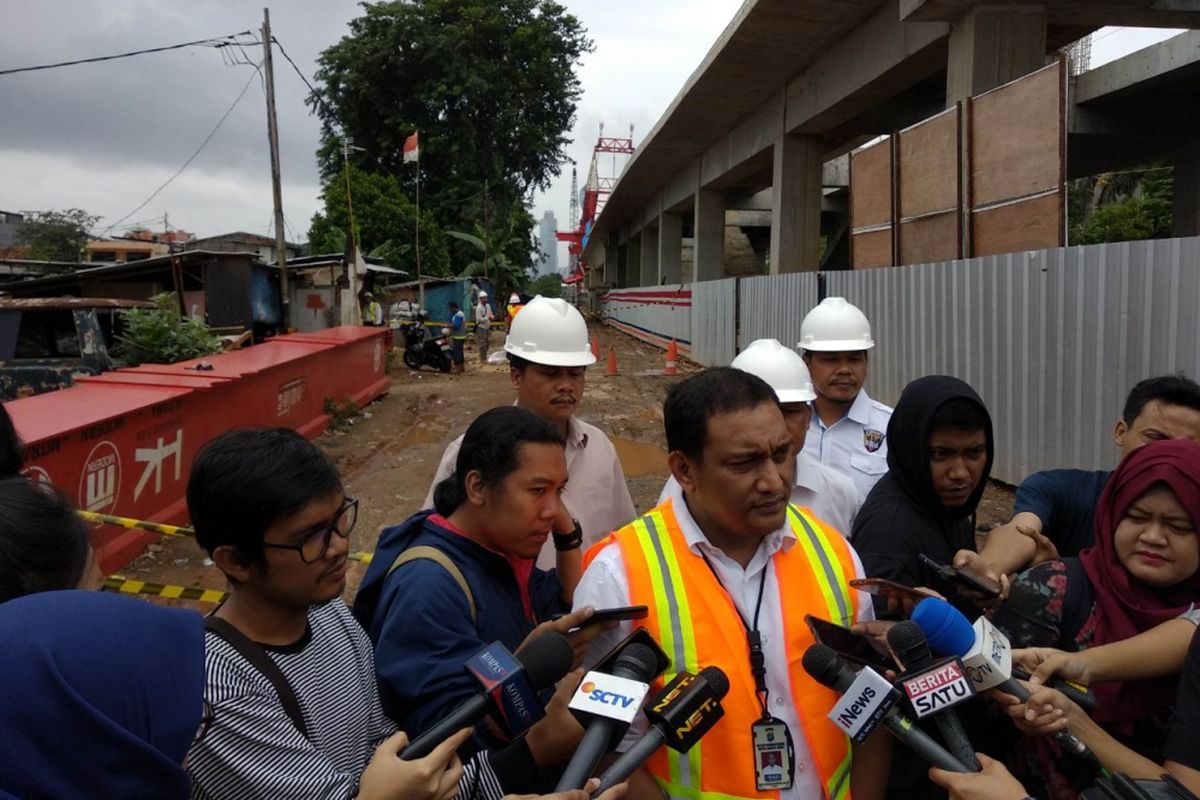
940,452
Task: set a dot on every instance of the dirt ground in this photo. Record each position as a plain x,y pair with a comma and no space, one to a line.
388,456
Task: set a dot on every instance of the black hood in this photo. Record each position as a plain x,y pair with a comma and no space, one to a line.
908,442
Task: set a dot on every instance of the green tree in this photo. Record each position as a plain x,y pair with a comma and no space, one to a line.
1122,207
56,235
384,220
490,84
160,336
547,285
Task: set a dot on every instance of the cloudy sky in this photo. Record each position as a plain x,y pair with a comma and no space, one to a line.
104,136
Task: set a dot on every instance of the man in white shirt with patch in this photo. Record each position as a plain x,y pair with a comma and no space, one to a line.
848,430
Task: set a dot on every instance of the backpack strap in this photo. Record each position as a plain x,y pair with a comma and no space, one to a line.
258,658
428,553
1077,604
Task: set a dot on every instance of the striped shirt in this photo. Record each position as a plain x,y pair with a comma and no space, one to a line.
252,748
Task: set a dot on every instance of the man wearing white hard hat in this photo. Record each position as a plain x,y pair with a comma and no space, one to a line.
483,325
828,493
848,430
548,354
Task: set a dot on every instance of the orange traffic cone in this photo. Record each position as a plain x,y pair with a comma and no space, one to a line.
611,368
672,359
596,345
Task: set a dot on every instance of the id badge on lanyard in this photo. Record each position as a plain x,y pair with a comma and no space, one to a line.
774,754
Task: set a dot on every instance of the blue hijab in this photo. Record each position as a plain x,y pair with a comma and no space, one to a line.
100,696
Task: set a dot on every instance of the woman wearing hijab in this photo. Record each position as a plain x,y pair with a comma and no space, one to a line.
1141,572
102,696
939,457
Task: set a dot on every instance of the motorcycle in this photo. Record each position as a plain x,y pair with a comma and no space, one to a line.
423,348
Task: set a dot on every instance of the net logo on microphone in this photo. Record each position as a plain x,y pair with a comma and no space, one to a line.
609,696
939,687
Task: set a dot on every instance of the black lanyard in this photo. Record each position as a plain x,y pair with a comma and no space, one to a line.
758,659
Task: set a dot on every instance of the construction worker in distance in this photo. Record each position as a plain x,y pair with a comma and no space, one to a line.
848,430
372,311
548,355
826,492
728,569
483,326
514,306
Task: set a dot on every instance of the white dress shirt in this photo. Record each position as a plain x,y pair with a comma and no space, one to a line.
855,445
596,494
829,494
605,585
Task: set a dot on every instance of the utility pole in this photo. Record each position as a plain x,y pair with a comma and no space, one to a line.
276,187
352,261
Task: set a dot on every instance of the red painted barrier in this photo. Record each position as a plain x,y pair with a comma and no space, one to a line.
123,442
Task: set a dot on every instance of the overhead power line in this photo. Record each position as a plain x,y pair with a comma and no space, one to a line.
221,41
315,93
191,158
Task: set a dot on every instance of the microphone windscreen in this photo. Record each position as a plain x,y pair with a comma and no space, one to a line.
717,680
822,663
636,662
547,659
945,627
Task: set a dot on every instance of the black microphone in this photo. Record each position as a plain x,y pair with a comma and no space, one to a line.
1077,693
867,700
609,702
510,690
683,711
934,688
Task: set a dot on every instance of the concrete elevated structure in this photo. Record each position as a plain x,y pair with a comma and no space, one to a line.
791,86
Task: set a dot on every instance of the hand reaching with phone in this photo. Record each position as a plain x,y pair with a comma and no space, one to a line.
970,562
572,626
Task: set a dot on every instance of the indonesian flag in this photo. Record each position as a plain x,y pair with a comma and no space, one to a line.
411,148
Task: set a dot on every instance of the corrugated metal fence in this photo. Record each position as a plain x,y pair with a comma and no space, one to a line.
1052,340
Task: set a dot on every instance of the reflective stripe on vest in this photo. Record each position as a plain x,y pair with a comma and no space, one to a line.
652,547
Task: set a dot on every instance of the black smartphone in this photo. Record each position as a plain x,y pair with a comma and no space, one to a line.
609,614
964,577
849,645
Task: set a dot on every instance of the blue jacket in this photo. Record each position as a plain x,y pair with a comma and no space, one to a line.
420,623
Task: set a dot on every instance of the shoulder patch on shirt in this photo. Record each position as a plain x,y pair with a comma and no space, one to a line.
872,439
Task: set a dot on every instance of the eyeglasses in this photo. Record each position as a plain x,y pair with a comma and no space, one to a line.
316,542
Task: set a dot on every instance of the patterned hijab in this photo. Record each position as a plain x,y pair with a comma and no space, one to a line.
1127,606
102,696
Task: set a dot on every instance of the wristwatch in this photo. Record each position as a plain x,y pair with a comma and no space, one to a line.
569,541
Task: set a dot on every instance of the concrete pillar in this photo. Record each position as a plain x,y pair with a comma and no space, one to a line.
634,266
611,260
1187,190
649,256
670,248
796,204
709,259
991,45
623,266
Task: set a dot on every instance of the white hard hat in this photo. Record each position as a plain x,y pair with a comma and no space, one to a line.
483,294
514,298
781,367
835,326
550,331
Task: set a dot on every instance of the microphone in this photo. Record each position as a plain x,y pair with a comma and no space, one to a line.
683,711
868,700
987,655
1077,693
609,702
510,687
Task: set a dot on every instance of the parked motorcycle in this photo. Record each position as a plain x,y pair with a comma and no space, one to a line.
422,348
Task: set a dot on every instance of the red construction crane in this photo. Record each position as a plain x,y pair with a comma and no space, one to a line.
586,205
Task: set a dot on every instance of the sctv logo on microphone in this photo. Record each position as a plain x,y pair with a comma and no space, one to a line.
598,695
606,695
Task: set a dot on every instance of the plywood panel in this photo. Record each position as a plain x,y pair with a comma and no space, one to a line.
929,239
1028,225
872,249
871,185
1016,138
928,155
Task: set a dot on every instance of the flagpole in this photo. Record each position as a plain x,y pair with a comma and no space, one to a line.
420,283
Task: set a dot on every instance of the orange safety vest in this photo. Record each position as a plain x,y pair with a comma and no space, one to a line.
694,619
